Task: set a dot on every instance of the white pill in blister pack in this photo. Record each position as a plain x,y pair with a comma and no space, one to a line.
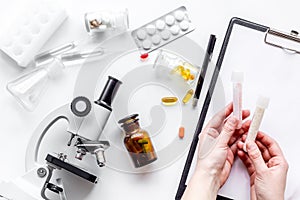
162,30
33,27
170,20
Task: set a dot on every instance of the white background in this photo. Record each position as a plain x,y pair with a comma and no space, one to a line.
211,16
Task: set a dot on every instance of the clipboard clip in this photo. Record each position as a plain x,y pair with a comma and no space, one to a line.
291,39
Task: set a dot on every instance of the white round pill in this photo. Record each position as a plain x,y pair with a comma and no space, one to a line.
7,42
102,27
15,32
175,30
147,44
141,34
170,20
17,50
25,20
179,15
44,18
165,34
160,24
35,29
26,39
184,25
156,39
150,29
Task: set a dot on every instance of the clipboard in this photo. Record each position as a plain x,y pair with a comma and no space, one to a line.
270,60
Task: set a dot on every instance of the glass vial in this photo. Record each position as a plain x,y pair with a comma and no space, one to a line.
137,142
106,20
177,66
237,79
261,104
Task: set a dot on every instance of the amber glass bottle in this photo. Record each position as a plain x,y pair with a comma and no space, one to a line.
137,142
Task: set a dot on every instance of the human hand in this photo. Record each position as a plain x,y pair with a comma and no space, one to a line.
217,147
266,166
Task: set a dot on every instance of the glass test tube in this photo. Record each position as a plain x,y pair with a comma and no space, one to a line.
261,104
237,79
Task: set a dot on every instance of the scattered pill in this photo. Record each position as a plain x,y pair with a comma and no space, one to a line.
169,101
144,56
188,96
181,132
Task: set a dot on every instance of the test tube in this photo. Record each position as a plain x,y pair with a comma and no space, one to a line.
49,54
261,104
237,79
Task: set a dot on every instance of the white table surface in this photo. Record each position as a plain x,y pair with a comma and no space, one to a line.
209,17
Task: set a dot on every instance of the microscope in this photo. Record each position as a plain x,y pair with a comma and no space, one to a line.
87,130
86,123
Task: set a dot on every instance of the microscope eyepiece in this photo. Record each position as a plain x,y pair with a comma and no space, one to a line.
109,92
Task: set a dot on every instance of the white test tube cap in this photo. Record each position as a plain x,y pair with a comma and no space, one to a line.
262,102
237,77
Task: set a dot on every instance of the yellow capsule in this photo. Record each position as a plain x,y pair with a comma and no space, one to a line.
188,96
169,101
180,68
186,74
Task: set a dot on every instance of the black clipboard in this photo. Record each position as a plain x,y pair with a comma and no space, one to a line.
276,41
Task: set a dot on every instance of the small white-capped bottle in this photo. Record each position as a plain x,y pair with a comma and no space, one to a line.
261,104
237,79
106,20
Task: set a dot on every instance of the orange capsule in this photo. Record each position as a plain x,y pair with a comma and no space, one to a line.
192,77
181,132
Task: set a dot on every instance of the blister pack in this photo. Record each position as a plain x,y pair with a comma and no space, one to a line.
31,29
162,30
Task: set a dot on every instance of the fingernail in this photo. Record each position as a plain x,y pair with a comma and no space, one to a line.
251,146
232,120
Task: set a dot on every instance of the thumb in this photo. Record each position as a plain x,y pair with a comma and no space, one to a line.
256,157
228,130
